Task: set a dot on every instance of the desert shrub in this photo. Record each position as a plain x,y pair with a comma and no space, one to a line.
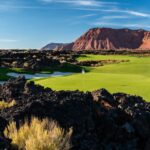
4,105
38,135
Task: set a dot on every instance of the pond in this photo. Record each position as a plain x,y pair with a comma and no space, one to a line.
2,82
37,75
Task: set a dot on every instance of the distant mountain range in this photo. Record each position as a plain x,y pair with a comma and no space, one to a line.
53,46
107,39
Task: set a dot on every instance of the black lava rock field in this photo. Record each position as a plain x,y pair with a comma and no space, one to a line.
100,120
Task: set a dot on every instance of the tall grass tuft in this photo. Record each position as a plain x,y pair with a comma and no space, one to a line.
38,135
4,105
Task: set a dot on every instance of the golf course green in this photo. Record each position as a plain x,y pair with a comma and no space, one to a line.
132,77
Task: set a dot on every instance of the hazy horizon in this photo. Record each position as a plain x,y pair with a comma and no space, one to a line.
34,23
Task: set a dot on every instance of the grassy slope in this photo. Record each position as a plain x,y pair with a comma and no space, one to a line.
130,77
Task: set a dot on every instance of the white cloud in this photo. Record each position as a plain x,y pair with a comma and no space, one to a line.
13,7
114,17
130,12
135,13
109,24
81,2
87,16
85,2
117,10
8,40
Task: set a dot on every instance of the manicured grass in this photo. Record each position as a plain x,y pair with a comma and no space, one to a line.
131,77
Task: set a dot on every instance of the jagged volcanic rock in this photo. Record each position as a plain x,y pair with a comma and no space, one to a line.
9,91
4,142
111,39
100,120
28,60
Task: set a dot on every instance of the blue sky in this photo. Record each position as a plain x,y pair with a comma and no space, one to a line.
34,23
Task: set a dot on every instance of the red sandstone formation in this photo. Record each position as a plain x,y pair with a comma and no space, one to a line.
110,39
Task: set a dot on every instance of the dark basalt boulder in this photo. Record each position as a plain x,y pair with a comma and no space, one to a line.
4,142
103,96
100,120
12,89
3,124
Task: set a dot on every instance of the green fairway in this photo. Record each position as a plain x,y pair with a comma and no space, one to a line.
131,77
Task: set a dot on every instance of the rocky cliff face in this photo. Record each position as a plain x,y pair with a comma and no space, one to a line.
111,39
146,41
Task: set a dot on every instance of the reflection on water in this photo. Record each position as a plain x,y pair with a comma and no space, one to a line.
37,75
2,82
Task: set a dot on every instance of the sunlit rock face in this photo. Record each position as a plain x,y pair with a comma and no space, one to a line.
110,39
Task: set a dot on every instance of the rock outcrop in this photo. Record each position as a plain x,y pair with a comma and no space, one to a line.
53,46
111,39
28,60
100,120
36,61
96,63
4,142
